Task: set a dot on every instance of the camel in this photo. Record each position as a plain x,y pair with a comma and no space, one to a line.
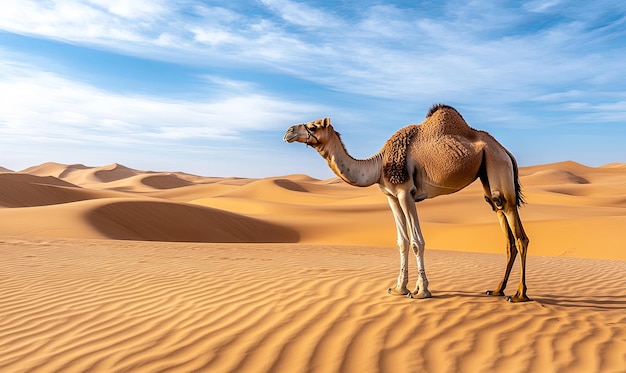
439,156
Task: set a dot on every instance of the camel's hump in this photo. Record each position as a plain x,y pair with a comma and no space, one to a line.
441,120
444,120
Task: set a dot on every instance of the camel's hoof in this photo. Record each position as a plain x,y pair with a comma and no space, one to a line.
422,295
398,292
518,299
495,293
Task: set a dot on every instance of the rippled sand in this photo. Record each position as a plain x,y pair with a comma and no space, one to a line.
289,274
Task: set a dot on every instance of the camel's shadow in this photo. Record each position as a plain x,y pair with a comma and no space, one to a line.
598,303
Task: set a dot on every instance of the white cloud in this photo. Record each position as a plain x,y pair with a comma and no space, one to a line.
613,112
64,20
541,64
133,9
45,105
462,52
230,85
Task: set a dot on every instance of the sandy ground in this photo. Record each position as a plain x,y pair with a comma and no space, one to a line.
113,269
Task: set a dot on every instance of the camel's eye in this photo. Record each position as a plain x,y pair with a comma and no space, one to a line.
312,128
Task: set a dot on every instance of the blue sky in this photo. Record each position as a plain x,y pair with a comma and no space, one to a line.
209,87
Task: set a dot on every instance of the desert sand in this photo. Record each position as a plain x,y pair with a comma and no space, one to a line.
112,269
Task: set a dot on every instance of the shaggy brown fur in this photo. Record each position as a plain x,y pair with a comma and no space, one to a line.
394,159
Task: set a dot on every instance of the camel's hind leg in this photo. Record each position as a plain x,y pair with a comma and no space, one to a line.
511,253
500,193
516,242
521,243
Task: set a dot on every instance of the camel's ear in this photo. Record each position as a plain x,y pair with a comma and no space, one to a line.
325,122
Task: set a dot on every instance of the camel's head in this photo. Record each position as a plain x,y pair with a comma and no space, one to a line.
313,133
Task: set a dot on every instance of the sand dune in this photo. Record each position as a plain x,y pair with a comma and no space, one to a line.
116,269
565,200
144,183
140,219
112,172
165,181
551,177
164,221
53,169
23,190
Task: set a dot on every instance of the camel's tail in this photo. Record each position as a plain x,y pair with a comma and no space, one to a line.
518,188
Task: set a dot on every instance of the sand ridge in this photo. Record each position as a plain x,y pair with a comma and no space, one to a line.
115,269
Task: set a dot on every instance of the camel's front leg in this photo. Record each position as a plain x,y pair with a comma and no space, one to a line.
417,244
403,247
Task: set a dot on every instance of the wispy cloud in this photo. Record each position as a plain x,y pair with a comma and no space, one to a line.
133,9
44,105
68,20
533,65
379,51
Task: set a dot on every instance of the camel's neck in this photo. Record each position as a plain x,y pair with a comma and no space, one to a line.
357,172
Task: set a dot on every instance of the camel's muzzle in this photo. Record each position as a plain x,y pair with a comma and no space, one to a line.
291,135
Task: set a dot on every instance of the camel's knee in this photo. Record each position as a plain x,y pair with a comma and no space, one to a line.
402,240
522,244
418,247
497,200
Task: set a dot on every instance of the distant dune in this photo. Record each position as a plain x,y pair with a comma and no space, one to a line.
115,269
564,199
